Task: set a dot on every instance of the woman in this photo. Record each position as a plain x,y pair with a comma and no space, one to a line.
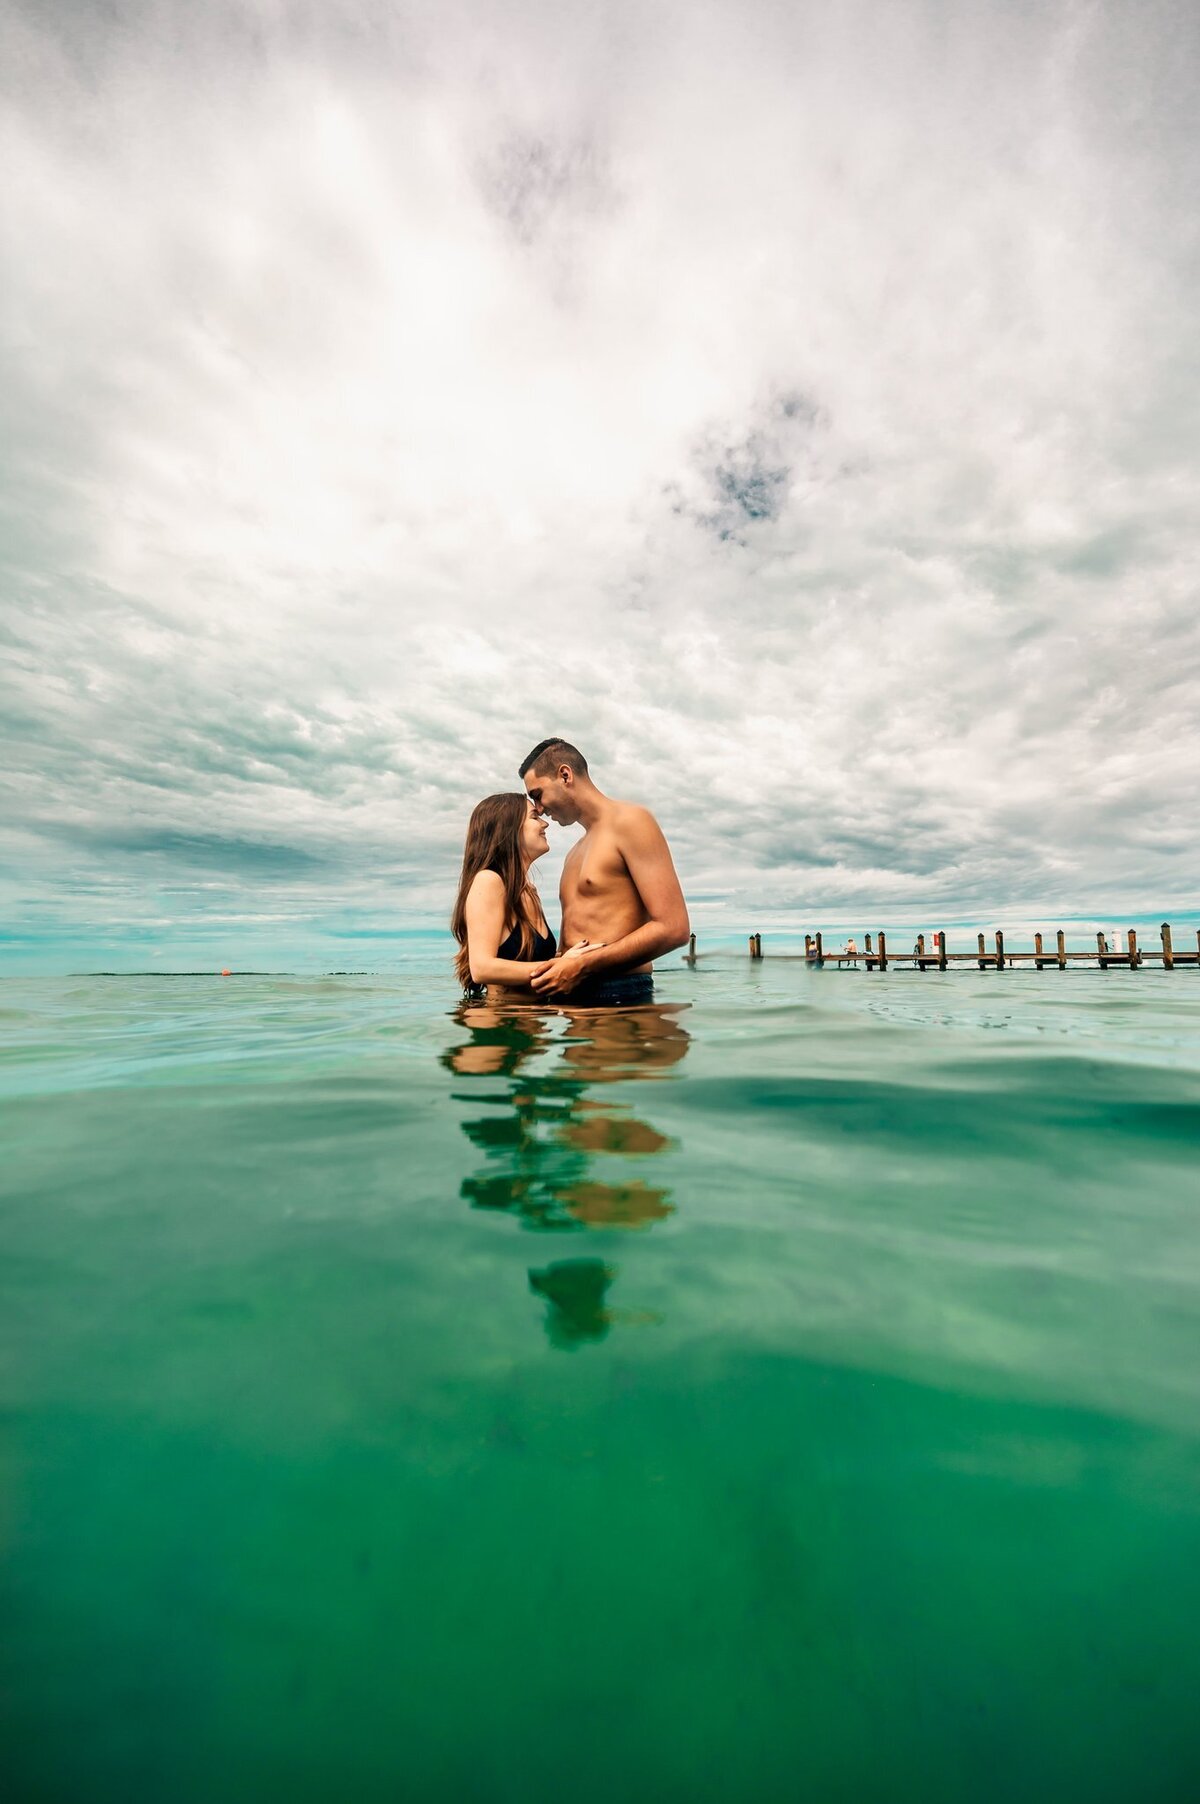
498,919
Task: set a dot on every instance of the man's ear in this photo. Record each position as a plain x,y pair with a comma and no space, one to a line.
566,775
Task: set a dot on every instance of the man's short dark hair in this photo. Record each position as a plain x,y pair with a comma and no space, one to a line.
548,754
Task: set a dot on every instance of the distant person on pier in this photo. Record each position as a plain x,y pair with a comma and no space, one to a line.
621,901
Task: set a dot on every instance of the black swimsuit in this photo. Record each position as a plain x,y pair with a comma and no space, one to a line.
544,945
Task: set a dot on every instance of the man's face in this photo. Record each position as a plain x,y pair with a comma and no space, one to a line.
552,791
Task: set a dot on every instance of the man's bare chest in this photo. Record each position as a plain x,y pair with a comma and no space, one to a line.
594,869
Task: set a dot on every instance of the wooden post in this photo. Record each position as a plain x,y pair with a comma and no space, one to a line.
920,952
867,938
820,952
999,950
1101,949
753,953
1037,951
883,950
941,946
1062,950
1168,949
758,945
982,954
691,956
1135,957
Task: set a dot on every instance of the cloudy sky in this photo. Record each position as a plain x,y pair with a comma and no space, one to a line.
797,405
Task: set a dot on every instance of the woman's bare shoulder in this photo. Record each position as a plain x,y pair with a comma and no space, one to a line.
486,884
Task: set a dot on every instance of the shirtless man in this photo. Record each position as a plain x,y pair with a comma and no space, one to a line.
619,890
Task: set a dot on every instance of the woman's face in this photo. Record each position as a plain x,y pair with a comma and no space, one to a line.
533,835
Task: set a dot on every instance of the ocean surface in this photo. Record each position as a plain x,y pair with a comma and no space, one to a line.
788,1391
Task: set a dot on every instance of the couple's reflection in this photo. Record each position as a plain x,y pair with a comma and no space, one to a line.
548,1130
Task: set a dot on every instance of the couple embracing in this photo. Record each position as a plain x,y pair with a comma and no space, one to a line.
621,901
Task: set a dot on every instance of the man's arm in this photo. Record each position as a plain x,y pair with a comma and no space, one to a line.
648,860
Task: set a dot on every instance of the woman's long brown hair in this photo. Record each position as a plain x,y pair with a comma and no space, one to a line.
494,844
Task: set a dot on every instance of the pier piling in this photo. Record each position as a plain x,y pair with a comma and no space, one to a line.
930,951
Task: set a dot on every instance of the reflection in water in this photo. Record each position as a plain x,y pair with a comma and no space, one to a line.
549,1131
575,1290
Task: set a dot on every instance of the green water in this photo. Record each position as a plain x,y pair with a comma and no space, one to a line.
788,1392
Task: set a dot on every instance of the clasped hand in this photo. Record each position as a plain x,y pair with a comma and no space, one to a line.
559,976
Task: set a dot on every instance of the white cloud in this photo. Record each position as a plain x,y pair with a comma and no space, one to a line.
791,404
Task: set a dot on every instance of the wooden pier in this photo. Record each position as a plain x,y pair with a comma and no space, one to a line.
931,954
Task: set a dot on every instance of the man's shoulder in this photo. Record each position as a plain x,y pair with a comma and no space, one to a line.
633,815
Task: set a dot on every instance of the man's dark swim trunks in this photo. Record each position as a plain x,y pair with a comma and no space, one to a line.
624,990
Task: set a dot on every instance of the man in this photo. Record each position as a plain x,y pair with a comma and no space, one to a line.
619,889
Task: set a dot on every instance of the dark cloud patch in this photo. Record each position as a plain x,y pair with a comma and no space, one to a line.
250,858
909,850
744,479
1106,554
535,183
749,488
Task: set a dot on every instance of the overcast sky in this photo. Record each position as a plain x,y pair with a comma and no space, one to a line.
796,405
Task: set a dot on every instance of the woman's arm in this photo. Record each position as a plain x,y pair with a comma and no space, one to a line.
485,929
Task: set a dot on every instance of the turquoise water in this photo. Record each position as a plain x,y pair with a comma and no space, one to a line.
789,1391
